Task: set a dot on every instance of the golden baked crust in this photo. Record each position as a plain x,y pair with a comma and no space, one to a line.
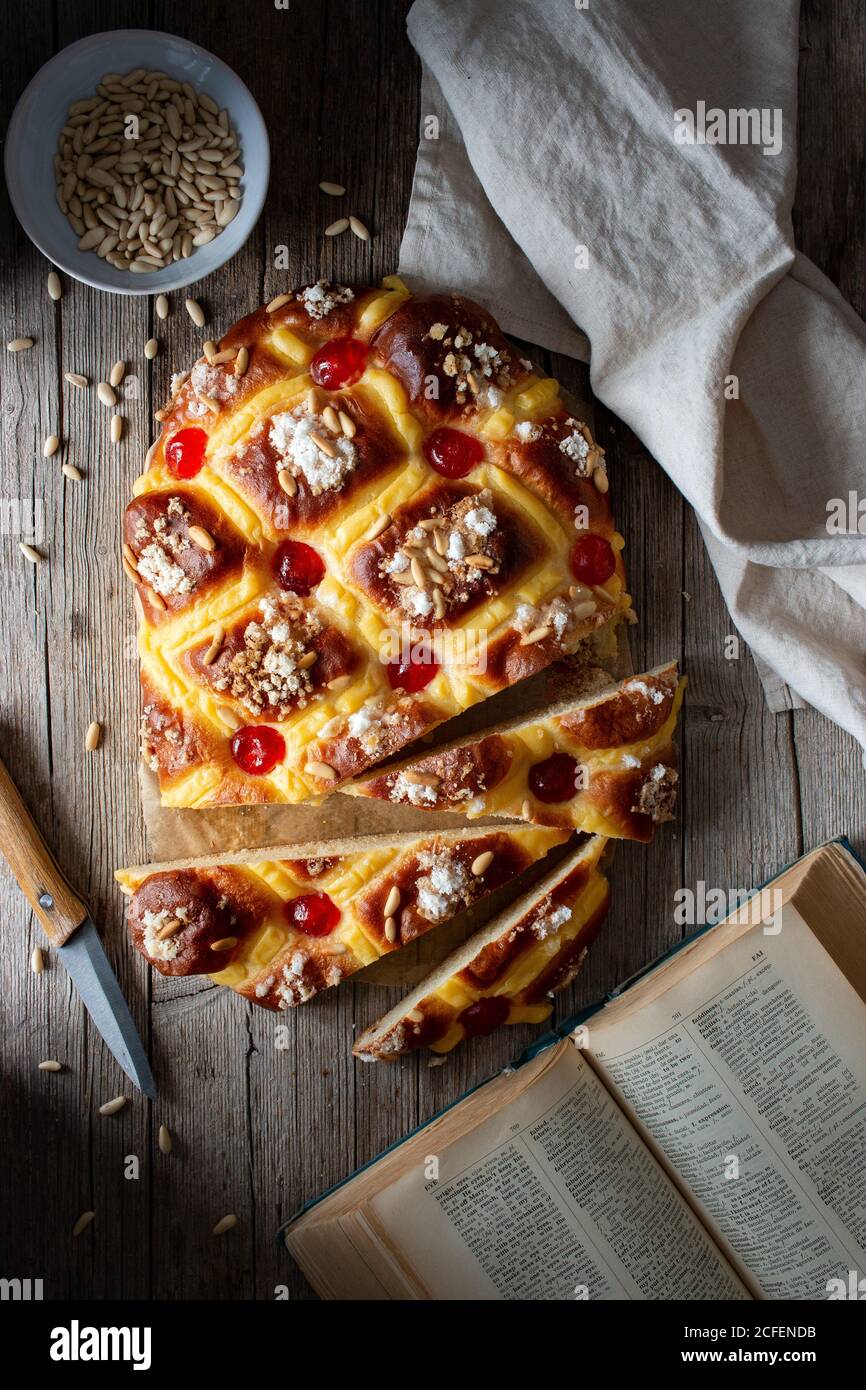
505,971
344,471
614,747
249,920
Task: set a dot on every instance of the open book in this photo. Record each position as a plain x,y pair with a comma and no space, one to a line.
700,1135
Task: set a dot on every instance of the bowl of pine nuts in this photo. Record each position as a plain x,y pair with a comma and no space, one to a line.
137,161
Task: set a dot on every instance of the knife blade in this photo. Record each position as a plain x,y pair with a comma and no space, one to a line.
69,927
87,966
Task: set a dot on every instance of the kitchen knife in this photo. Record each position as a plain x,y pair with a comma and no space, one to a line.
67,924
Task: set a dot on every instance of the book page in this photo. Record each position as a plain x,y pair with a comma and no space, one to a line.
555,1197
750,1076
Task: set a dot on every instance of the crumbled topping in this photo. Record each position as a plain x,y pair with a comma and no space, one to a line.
527,432
266,675
320,299
213,382
375,727
417,793
292,435
658,794
550,922
652,692
629,760
444,887
161,544
477,368
292,988
153,922
562,617
585,454
177,381
456,552
156,725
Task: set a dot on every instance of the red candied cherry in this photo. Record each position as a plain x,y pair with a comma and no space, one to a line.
184,452
257,748
592,559
314,914
452,452
298,568
484,1015
413,674
555,779
339,363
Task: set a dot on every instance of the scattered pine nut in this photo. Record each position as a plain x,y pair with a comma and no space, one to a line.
324,444
307,660
29,552
55,288
225,943
76,379
526,810
196,312
337,228
390,929
111,1107
347,424
378,527
116,428
210,404
482,863
209,349
50,1065
331,419
287,482
202,538
19,345
106,394
323,771
70,471
229,716
161,306
117,373
361,232
83,1222
333,190
151,348
92,737
224,1224
277,303
392,902
164,1140
37,960
242,361
51,445
215,647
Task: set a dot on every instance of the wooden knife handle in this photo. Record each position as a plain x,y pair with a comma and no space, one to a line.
58,908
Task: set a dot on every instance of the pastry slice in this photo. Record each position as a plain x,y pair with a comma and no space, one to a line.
603,763
504,972
282,923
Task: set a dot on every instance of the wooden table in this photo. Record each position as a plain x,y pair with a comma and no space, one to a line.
257,1130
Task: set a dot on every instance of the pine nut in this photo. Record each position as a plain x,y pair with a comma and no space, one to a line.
482,863
216,644
70,471
37,961
359,229
19,345
50,1065
392,902
117,373
76,379
333,190
224,1224
51,445
390,929
337,228
277,303
111,1107
92,737
151,348
164,1140
83,1222
161,306
196,313
55,288
323,771
202,538
287,482
29,552
116,428
106,394
242,361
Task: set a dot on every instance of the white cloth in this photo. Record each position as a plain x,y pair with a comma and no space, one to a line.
556,130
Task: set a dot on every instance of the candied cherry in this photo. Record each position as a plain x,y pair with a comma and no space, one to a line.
592,559
314,914
484,1015
257,748
555,779
298,568
452,452
339,363
413,674
184,452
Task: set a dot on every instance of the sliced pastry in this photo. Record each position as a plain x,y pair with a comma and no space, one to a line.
364,513
603,763
282,923
504,972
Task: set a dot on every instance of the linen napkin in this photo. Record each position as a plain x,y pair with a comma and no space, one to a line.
615,179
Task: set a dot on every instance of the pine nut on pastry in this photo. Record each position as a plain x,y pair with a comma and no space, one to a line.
345,465
278,925
504,972
603,763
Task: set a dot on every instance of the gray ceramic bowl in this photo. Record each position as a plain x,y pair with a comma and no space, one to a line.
31,143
